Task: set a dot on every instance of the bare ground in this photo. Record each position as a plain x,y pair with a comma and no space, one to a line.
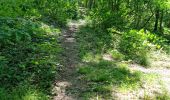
160,65
67,85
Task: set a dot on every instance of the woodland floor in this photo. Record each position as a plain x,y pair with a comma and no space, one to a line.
69,86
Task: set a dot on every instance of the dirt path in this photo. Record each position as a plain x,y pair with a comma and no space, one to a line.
160,85
67,85
163,73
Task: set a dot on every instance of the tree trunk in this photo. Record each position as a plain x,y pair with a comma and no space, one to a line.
161,22
90,4
157,15
86,3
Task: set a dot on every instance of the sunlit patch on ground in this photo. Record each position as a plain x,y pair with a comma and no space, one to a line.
160,60
110,80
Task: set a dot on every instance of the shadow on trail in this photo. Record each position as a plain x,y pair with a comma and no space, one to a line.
80,80
101,80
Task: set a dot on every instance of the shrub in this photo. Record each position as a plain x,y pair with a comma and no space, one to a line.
56,12
28,53
134,45
157,41
18,8
116,55
23,92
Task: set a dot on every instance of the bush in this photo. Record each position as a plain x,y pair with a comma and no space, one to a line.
116,55
18,8
134,45
56,12
28,53
93,40
23,92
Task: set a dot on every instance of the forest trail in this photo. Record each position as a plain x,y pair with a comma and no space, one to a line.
67,85
163,73
161,67
161,83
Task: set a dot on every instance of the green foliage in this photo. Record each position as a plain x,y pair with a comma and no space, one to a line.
105,76
134,45
18,8
158,41
14,31
23,92
109,17
105,18
164,96
108,73
28,54
95,41
29,48
116,55
56,12
60,11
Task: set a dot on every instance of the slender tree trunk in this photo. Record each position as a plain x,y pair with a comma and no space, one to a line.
86,3
161,22
94,3
112,5
117,5
138,16
90,4
157,15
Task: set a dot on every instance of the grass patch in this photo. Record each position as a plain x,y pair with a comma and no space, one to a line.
105,76
93,41
164,96
90,57
116,55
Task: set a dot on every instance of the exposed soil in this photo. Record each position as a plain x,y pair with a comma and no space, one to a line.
67,85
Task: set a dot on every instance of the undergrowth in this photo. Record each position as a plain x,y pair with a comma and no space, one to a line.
28,54
103,77
128,45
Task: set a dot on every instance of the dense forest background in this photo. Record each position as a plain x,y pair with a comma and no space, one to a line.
130,31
